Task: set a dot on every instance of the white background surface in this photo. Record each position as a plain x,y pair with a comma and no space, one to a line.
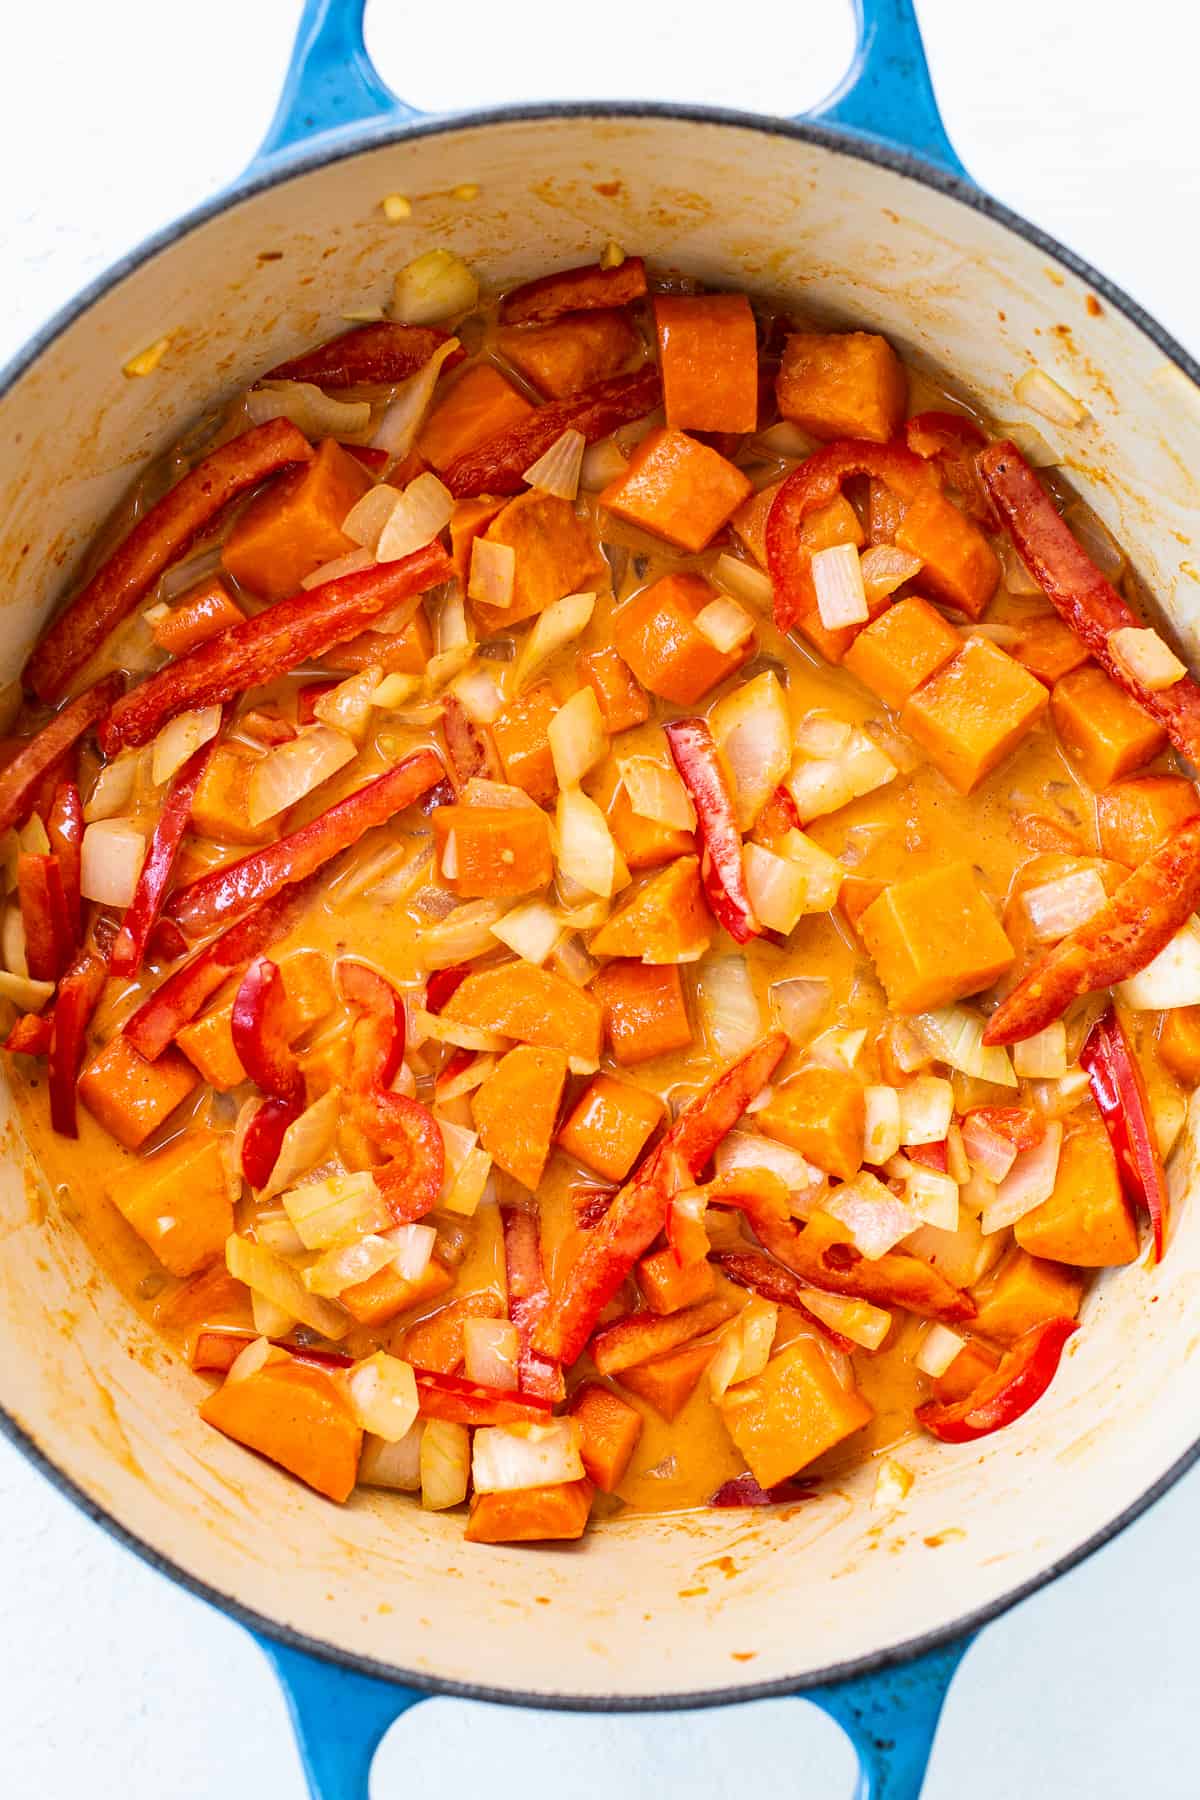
116,117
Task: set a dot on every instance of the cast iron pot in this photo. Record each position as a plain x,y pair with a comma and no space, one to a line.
863,213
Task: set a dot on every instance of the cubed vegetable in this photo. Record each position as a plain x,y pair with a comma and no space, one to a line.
621,697
1087,1219
665,920
1026,1291
533,1005
668,1382
792,1413
1179,1043
934,938
1138,815
611,1429
221,805
973,712
958,565
437,1342
708,353
842,384
610,1126
1103,731
555,554
668,1286
480,405
295,1415
677,489
656,634
484,852
644,1010
571,353
516,1109
180,1201
821,1113
295,524
131,1097
522,735
531,1515
902,648
385,1295
1048,647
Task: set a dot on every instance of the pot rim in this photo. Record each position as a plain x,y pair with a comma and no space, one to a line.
339,146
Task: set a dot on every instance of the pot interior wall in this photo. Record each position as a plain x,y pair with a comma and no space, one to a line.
665,1607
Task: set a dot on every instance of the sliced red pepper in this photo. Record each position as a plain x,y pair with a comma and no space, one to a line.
166,943
21,779
699,763
1127,932
78,996
381,1028
462,1402
269,645
951,440
158,538
498,466
1019,1126
369,456
442,984
263,1138
771,1281
307,697
1115,1078
930,1156
260,1024
456,1064
410,1182
379,353
591,1204
639,1211
528,1296
48,937
226,893
1022,1378
215,1352
574,290
64,828
1077,590
470,750
743,1490
154,877
31,1034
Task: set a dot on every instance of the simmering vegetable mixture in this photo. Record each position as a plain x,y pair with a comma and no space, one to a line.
600,904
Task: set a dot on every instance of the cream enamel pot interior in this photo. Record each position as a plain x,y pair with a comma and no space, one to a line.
840,222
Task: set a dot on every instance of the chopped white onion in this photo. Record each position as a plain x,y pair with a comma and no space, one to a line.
937,1351
113,788
602,463
493,572
728,1006
787,440
875,1219
725,624
822,734
507,1458
744,582
1042,394
112,855
397,429
838,580
1030,1181
955,1036
316,414
353,563
1039,451
291,770
382,1392
987,1150
433,287
445,1464
450,1031
1004,635
179,738
963,1256
744,1347
926,1109
554,628
336,1210
778,888
365,521
480,792
657,793
558,469
933,1197
395,1466
798,1004
586,850
347,1264
752,727
306,1143
262,1270
24,991
461,936
1146,658
424,511
1042,1057
578,739
470,1184
819,786
838,1048
857,1320
881,1139
744,1150
822,874
490,1351
532,930
254,1358
12,941
1090,531
885,567
479,695
893,1484
1172,978
1017,577
394,690
1055,908
347,707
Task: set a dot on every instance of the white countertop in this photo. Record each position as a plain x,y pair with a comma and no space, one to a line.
113,1682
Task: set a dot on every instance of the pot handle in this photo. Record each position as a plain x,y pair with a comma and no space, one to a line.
891,1716
330,81
339,1718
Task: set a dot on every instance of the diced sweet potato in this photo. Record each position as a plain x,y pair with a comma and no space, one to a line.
1179,1043
855,895
1103,732
934,939
644,843
902,648
1086,1220
308,985
973,1364
522,734
437,1342
395,652
1049,648
664,921
555,553
295,524
1136,816
221,807
573,353
487,851
749,522
619,694
385,1295
479,405
530,1515
677,489
131,1097
470,520
533,1005
179,1201
656,634
668,1383
644,1010
208,1045
973,712
201,614
295,1415
821,1113
668,1286
842,384
1026,1291
792,1413
610,1126
708,352
642,1336
611,1429
959,566
516,1109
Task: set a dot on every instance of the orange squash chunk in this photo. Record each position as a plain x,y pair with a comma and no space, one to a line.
555,555
644,843
1179,1043
295,524
934,939
479,405
295,1415
902,648
708,353
668,1383
208,1045
522,734
667,1286
749,522
664,921
677,489
572,353
179,1201
656,634
1026,1291
221,808
516,1109
383,1295
610,1126
533,1005
973,1364
973,712
821,1113
619,695
531,1515
131,1097
470,520
792,1413
1103,732
1136,816
437,1342
640,1337
487,851
611,1429
1086,1220
855,895
1049,648
959,566
644,1011
842,384
395,652
201,614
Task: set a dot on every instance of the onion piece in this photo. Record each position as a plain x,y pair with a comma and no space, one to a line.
306,1143
365,521
602,463
938,1349
255,1357
382,1392
394,690
881,1138
179,739
933,1197
838,581
1017,577
778,888
744,1346
728,1007
1043,1056
1056,908
656,793
893,1484
987,1150
347,707
533,931
871,1213
573,961
823,734
857,1320
926,1109
461,936
558,469
552,630
744,582
725,624
491,1348
336,1210
424,510
838,1048
268,1274
113,788
479,695
316,414
395,1466
24,991
12,941
1042,394
798,1005
752,729
955,1037
449,1031
112,855
445,1464
508,1458
822,874
481,792
1145,657
787,440
290,771
578,739
1172,978
745,1150
1029,1182
345,1265
885,568
397,430
1089,530
821,786
1039,451
435,286
587,852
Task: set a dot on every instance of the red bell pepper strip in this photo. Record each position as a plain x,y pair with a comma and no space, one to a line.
743,1490
639,1211
77,999
263,1137
410,1182
463,1402
215,1352
166,943
64,828
370,458
771,1281
381,1028
1125,934
376,354
574,290
226,893
259,1026
442,984
470,750
19,782
1077,590
1022,1378
142,912
1115,1078
31,1034
158,538
591,1204
498,466
48,940
261,649
1019,1126
699,763
527,1299
951,440
930,1156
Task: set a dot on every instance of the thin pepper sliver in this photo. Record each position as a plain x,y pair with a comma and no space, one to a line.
383,351
1117,1088
527,1299
259,1026
48,940
1022,1378
574,290
20,781
64,828
143,910
77,998
498,466
698,760
462,1402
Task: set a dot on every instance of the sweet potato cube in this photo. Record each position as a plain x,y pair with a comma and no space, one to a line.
934,938
611,1429
555,555
572,353
610,1126
308,984
1026,1291
668,1286
395,652
470,520
644,1010
677,489
842,384
821,1113
644,843
533,1005
855,895
664,921
384,1295
1049,648
668,1383
749,522
1136,816
530,1515
201,614
221,808
902,648
641,1337
1086,1220
1179,1043
208,1045
295,524
295,1415
479,405
487,851
1103,732
973,711
959,566
522,734
973,1364
437,1342
179,1201
619,695
656,634
708,352
792,1413
131,1097
516,1109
